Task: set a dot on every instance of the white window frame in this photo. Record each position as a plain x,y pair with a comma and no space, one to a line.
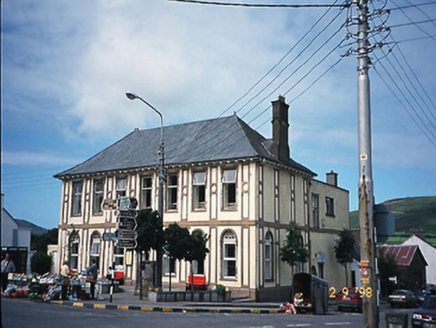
146,192
172,191
315,210
329,206
229,241
95,248
167,266
121,187
76,206
199,190
74,252
98,195
229,179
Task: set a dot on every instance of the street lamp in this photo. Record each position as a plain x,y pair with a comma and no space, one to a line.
161,153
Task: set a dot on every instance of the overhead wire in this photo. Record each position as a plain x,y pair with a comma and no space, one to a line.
257,5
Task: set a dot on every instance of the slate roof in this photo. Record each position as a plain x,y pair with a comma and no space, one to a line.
403,254
226,138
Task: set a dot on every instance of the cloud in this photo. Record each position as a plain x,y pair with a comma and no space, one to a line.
26,158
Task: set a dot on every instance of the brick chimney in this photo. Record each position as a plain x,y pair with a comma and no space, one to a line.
280,125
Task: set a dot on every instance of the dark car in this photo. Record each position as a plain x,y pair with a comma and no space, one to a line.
351,299
420,295
403,297
425,316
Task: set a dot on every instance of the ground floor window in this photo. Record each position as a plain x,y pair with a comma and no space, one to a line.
229,255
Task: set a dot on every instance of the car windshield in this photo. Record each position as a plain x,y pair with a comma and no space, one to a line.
399,292
430,303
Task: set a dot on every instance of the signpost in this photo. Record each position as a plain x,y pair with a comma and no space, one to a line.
109,205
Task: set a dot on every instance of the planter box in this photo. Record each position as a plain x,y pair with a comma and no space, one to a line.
191,296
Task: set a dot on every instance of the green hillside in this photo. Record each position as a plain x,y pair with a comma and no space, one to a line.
412,213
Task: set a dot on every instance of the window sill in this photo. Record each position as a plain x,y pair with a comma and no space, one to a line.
330,215
229,278
198,210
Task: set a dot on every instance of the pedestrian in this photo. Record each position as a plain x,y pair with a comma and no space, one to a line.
7,266
92,271
65,270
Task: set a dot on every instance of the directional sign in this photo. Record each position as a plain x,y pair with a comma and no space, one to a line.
126,234
126,243
109,236
109,204
126,223
127,203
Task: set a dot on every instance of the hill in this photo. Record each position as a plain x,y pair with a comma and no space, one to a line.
412,214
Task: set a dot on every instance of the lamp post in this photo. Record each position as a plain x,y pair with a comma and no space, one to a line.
161,153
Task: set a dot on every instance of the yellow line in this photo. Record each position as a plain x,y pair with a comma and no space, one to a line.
146,308
273,311
236,311
167,309
78,304
122,307
254,311
57,302
214,310
99,306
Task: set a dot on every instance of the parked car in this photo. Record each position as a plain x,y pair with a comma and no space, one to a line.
352,300
403,297
425,316
420,295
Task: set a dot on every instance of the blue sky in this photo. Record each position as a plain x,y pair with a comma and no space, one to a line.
66,66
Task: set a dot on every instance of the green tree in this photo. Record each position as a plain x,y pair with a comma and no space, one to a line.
150,234
344,249
40,242
293,250
41,262
177,243
197,249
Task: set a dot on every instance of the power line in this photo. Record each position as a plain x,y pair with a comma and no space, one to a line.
258,5
413,5
414,23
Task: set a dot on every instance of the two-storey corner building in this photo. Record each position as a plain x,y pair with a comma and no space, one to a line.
222,178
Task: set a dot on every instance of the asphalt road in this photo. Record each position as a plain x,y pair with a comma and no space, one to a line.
20,313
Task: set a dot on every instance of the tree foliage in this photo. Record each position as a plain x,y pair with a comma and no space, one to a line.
197,250
344,249
293,249
149,230
177,241
40,262
40,242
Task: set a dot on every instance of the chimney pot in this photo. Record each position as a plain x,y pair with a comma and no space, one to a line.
332,178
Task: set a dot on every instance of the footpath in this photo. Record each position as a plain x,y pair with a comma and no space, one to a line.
125,299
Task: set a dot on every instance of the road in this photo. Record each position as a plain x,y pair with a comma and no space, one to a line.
20,313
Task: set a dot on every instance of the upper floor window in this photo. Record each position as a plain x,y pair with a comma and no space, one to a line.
76,209
329,205
268,256
172,192
229,255
229,189
315,210
97,197
199,190
146,192
121,187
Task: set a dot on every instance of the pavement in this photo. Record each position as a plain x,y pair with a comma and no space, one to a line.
125,299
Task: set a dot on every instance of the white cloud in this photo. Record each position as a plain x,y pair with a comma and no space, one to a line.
29,158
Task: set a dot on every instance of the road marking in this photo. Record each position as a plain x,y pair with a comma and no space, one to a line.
337,323
299,325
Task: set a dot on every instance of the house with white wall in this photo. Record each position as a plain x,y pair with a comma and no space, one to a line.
222,178
429,253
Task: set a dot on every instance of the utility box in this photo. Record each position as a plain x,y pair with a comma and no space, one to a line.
396,320
309,293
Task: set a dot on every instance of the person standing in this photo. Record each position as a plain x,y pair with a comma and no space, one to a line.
92,271
65,270
7,266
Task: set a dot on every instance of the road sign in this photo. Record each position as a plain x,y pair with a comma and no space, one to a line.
126,243
127,203
109,204
109,236
126,223
126,234
131,213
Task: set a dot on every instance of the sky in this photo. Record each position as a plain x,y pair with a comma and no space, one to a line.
66,66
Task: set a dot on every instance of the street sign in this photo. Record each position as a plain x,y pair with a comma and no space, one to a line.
126,234
109,204
131,213
126,223
109,236
127,243
127,203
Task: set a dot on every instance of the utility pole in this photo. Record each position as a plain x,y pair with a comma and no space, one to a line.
366,196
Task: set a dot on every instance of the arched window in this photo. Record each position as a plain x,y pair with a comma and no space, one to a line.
229,251
73,243
95,247
268,256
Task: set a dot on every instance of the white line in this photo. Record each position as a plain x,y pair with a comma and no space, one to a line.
337,323
299,325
